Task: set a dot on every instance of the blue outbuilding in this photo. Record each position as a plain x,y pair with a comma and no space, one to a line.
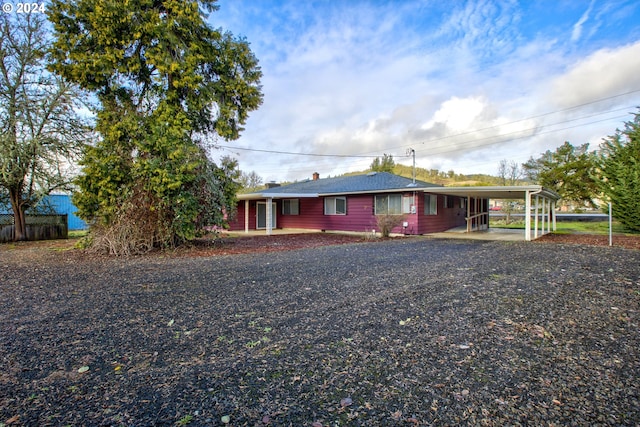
61,204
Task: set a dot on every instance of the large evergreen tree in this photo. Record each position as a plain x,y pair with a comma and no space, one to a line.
167,85
386,164
619,172
568,171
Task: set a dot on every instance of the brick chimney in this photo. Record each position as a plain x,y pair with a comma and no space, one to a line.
272,184
316,176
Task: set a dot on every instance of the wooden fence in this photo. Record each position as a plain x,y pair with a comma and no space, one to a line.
38,227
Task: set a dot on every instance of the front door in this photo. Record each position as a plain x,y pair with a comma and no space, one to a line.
262,215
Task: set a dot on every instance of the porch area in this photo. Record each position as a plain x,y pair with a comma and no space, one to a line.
496,234
493,234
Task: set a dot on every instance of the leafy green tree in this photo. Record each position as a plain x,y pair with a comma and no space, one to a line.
40,131
568,171
386,164
168,85
619,172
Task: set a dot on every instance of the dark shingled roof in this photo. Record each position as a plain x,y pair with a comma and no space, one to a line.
375,181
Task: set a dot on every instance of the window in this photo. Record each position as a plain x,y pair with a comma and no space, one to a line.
290,207
449,202
408,206
394,204
430,204
389,204
335,206
463,203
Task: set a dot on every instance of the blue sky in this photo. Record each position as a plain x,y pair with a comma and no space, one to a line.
466,84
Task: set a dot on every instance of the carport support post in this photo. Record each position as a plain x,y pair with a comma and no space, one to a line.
527,216
543,216
550,217
547,217
535,218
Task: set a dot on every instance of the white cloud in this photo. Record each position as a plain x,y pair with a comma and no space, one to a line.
451,80
577,28
602,74
458,115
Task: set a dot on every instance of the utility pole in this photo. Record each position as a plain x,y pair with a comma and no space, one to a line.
411,151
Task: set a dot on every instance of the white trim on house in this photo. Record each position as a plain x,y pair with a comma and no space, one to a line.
265,195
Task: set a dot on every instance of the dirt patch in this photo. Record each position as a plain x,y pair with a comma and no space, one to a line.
623,241
261,244
52,250
229,245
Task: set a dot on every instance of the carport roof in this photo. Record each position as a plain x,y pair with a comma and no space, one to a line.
496,192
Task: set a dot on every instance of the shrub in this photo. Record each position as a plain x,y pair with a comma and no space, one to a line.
386,223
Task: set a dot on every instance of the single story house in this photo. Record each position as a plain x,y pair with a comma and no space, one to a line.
353,203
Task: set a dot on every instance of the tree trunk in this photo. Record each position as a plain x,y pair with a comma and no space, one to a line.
19,219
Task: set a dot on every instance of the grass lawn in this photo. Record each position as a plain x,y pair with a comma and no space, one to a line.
75,234
572,227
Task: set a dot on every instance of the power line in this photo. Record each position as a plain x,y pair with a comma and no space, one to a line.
294,153
475,131
542,115
458,148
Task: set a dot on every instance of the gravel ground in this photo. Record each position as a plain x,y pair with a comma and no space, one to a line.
405,332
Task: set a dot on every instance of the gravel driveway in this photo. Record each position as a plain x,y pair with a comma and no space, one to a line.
410,332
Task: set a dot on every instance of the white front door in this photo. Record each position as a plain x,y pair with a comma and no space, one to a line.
261,212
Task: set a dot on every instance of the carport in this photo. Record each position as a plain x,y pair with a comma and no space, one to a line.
540,204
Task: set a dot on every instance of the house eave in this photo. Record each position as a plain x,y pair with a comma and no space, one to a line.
266,195
491,192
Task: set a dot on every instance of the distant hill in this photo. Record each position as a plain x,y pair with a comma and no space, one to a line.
444,178
434,176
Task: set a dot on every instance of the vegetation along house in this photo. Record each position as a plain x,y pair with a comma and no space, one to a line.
354,203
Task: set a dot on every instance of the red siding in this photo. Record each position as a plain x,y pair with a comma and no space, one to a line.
359,218
237,223
359,215
307,218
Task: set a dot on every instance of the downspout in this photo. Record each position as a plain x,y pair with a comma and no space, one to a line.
415,222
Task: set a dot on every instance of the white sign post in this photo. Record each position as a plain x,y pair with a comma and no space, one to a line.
610,227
